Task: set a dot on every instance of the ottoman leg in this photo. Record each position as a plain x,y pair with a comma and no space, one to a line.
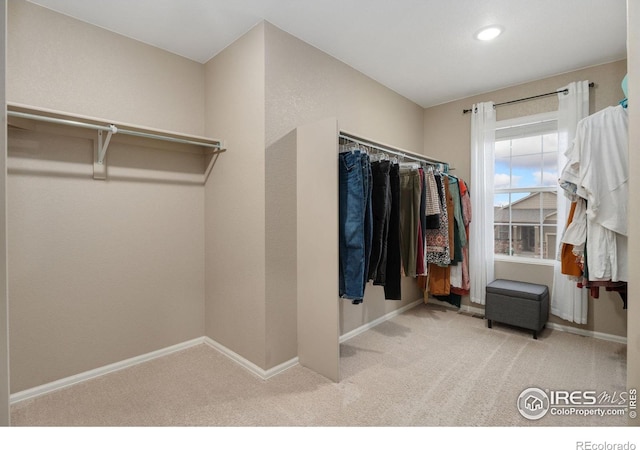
535,335
488,323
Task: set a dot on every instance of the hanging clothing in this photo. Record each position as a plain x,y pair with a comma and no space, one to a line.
460,272
454,187
437,240
353,225
570,261
466,217
381,213
432,219
409,217
439,280
421,267
383,222
596,175
450,219
448,279
598,166
392,284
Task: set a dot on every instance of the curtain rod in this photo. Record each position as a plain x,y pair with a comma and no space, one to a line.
399,153
563,91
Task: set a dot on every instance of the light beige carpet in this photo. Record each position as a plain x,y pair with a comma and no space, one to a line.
427,367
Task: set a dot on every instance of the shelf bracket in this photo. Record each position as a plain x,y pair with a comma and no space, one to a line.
103,146
100,147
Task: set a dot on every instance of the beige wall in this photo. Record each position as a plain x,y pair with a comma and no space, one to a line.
317,252
99,271
235,199
4,322
304,85
447,136
633,342
281,228
60,63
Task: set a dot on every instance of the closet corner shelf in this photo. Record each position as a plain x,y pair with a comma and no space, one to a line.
106,129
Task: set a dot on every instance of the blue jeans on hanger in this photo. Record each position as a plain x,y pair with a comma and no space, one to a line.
354,223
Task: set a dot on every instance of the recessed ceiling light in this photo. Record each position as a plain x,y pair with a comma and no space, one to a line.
489,33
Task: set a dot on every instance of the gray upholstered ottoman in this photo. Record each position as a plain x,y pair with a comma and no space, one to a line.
517,303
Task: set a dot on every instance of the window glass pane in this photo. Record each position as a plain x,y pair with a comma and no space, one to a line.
549,169
502,246
525,222
525,240
502,149
550,243
550,143
502,174
501,218
500,200
526,146
502,168
526,171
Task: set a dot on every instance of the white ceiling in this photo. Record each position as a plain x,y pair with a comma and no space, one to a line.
422,49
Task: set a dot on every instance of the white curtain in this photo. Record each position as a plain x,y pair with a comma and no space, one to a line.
481,240
567,301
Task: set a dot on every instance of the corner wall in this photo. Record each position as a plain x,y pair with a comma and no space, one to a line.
258,91
235,199
447,136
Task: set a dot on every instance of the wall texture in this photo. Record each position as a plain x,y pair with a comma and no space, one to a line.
235,199
99,271
304,85
60,63
447,135
281,252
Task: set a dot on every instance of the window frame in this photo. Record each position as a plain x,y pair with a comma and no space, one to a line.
535,123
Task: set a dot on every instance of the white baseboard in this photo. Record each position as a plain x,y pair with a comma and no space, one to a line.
550,325
84,376
472,309
367,326
251,367
587,333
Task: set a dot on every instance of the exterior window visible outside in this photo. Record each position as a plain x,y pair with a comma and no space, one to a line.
525,187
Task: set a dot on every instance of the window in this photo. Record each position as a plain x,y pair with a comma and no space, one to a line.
525,187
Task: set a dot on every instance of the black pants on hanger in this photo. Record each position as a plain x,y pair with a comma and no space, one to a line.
381,208
392,289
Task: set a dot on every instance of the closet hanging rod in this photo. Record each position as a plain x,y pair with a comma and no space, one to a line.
112,128
518,100
399,153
